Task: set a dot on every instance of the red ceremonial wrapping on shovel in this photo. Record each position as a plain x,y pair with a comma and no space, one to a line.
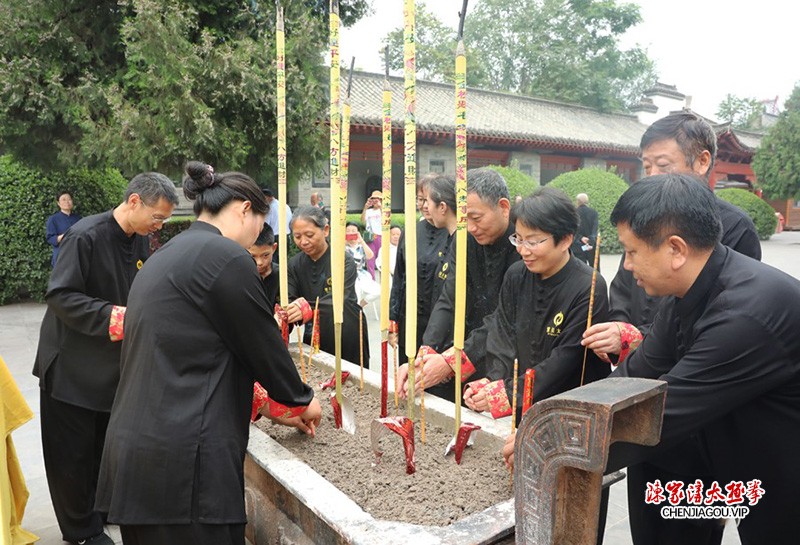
337,410
402,426
464,432
527,391
331,382
384,376
283,320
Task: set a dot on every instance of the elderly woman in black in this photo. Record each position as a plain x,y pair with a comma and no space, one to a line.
198,332
309,275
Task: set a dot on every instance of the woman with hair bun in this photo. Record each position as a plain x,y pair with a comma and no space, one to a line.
309,275
198,332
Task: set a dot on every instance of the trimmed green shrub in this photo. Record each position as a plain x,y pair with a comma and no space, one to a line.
762,214
172,228
27,198
604,190
518,182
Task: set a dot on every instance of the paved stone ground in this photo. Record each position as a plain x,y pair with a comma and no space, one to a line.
19,332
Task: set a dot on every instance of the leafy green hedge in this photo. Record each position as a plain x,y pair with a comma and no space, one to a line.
27,198
173,227
762,214
518,182
604,189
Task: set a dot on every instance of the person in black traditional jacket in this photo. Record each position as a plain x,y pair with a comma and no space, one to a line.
440,203
489,255
540,316
77,360
430,250
583,247
725,341
310,277
262,251
198,332
685,143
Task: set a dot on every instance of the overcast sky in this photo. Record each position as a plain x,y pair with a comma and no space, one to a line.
707,48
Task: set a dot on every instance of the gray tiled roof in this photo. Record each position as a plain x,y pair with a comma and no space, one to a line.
749,140
498,115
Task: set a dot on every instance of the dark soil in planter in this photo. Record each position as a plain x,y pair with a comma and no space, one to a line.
439,493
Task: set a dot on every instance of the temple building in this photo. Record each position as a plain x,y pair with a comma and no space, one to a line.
543,138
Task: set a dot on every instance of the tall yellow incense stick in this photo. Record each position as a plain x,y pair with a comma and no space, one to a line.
386,225
281,98
591,300
422,402
337,242
461,219
315,330
361,346
514,398
344,171
394,368
302,358
410,194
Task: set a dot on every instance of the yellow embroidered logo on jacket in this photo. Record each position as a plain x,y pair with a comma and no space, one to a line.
139,264
555,329
443,272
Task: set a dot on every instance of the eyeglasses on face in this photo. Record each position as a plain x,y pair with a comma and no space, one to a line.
160,219
518,241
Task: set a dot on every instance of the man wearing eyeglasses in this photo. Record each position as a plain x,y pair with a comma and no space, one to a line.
540,317
489,255
78,357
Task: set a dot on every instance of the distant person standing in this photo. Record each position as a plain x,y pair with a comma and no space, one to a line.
78,357
583,247
372,217
274,211
273,216
316,200
58,223
394,240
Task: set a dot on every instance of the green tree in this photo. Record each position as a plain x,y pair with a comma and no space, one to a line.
777,159
436,45
559,49
148,84
742,113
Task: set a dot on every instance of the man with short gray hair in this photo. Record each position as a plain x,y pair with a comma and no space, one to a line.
78,358
489,255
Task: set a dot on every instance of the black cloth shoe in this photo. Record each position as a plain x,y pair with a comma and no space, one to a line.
99,539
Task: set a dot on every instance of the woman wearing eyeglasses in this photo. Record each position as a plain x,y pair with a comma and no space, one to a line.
540,317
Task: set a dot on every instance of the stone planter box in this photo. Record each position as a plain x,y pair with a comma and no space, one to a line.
288,502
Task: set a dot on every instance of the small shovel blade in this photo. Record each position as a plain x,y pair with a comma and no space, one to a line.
343,414
463,439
